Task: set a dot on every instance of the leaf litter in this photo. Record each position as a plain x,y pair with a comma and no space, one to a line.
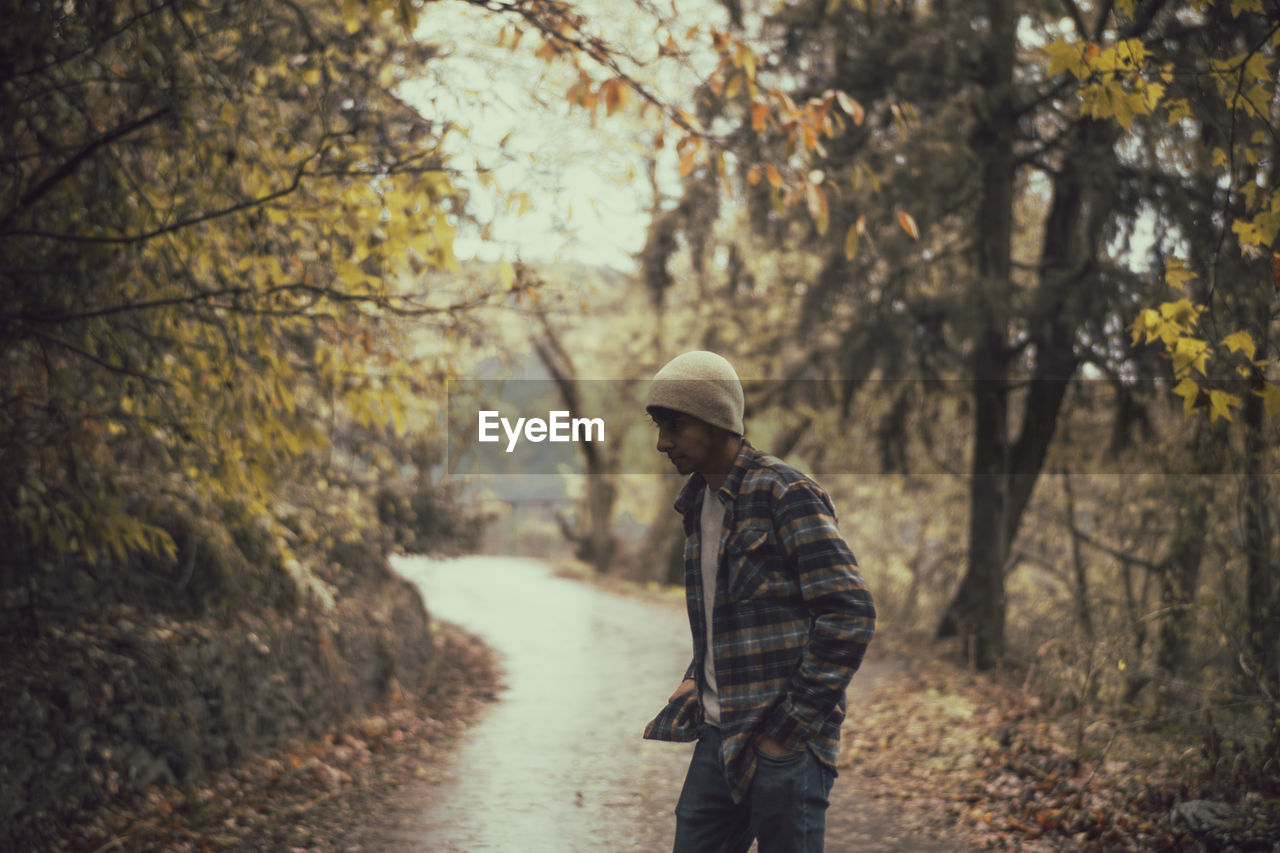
315,796
977,762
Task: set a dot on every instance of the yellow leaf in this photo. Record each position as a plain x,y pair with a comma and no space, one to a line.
1239,7
1189,353
1124,107
1241,342
1270,398
1064,56
871,176
736,82
351,14
1130,53
746,60
817,202
1189,391
851,242
1151,95
1179,108
507,275
1176,273
1221,403
352,275
1145,326
851,107
1182,313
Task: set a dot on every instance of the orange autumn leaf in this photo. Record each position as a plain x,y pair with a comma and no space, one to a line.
615,95
908,224
759,114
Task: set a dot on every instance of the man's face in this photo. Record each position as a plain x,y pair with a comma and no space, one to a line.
687,442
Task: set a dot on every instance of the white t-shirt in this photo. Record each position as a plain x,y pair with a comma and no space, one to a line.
713,512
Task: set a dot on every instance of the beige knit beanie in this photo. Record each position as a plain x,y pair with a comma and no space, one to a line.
701,384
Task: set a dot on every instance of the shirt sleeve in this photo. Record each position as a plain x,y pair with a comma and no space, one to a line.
837,601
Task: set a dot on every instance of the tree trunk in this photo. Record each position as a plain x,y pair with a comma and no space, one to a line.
1005,472
1262,583
977,613
591,533
1179,576
1083,614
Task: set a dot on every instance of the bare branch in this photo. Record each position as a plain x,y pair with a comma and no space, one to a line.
69,166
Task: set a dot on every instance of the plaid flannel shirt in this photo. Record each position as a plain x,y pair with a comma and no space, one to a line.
791,622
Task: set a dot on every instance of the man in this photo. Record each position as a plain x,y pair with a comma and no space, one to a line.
780,618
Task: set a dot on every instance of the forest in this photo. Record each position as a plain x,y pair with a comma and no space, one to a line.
1004,276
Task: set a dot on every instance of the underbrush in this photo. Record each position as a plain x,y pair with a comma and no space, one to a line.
988,763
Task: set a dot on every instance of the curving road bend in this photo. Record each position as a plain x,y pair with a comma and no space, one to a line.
558,764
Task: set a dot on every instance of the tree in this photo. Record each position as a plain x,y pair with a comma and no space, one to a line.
209,213
592,533
1206,78
973,215
1034,213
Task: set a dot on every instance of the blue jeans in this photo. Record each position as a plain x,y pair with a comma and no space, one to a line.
785,810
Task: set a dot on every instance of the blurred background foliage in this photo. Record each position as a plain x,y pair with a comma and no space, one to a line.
977,250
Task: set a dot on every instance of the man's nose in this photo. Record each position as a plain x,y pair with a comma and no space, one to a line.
664,441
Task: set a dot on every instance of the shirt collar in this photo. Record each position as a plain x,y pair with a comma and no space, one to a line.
696,484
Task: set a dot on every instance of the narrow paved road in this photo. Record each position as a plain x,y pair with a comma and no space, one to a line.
558,764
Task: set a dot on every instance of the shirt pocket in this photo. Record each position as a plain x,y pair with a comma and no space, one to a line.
755,565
